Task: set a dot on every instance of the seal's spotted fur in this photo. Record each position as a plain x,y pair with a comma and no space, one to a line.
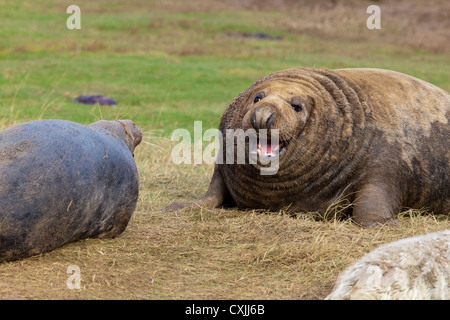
414,268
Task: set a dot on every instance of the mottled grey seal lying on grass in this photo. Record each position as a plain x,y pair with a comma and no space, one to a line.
377,139
416,268
61,182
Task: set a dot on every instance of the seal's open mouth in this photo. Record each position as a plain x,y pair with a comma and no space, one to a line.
265,148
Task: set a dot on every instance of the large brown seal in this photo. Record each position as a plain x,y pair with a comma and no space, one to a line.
62,181
377,139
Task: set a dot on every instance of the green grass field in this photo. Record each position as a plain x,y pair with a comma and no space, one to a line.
167,69
169,63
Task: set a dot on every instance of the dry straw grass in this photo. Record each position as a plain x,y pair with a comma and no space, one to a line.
201,253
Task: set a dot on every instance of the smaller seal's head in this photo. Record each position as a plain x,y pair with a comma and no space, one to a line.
125,130
278,106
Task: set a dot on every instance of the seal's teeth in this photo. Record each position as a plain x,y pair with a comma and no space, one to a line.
267,150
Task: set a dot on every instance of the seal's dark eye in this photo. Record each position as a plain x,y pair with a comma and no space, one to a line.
258,97
297,107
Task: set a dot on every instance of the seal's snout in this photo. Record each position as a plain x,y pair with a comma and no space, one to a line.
125,130
262,117
132,131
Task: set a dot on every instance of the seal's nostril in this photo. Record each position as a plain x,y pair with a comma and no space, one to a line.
254,119
262,117
270,120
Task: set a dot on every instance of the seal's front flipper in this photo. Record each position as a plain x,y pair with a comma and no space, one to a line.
376,203
213,198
